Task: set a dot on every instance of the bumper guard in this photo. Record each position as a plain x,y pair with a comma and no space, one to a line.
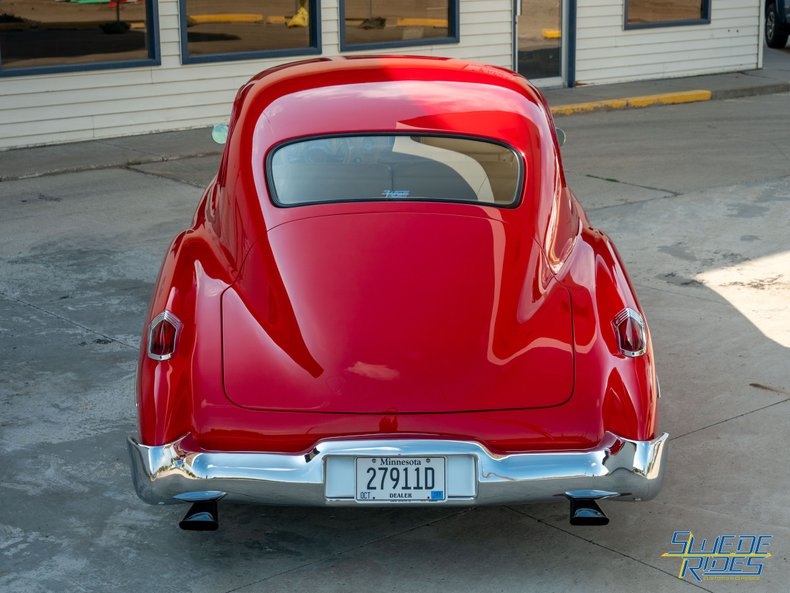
618,469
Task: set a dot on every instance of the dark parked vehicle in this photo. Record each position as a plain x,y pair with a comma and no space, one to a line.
777,23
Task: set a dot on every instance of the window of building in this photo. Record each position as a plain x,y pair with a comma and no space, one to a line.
43,35
393,23
245,29
663,13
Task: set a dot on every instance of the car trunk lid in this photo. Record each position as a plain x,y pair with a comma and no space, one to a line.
397,312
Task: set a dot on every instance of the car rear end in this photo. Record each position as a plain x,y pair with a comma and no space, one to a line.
398,326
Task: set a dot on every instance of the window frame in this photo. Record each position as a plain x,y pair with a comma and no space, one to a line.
705,19
314,47
271,188
453,32
152,46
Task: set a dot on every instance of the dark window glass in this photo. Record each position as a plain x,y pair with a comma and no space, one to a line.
660,12
539,28
46,33
245,28
394,167
397,22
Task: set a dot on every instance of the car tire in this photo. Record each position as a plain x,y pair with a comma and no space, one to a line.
775,36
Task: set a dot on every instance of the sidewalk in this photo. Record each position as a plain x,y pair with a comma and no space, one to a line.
170,146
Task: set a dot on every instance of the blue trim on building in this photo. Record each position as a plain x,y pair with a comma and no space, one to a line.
248,55
570,48
314,47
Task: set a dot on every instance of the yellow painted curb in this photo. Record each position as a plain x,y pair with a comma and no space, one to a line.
415,22
634,102
204,19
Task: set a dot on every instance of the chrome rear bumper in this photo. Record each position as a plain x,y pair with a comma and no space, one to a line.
618,469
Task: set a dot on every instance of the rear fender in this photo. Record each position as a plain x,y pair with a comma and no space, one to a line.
625,387
190,283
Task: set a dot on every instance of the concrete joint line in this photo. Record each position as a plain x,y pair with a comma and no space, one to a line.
670,193
125,163
588,540
725,420
769,89
64,319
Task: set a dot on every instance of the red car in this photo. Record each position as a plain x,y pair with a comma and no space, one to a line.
389,296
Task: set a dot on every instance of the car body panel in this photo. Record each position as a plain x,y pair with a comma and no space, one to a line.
384,320
452,317
783,13
777,23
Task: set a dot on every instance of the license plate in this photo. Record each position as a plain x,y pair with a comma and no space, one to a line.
400,479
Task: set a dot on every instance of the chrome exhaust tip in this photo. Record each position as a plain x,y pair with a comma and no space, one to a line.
585,511
201,516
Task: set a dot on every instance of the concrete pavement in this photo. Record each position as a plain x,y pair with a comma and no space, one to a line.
697,198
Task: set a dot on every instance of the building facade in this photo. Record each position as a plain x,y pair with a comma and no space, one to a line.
84,69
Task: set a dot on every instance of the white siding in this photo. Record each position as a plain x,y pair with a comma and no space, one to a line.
54,108
74,106
606,53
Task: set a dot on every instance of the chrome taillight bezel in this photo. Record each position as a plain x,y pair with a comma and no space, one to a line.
175,323
625,316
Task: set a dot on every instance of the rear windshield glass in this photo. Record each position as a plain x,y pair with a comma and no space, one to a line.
393,167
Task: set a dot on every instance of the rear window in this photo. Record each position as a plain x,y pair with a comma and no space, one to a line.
394,167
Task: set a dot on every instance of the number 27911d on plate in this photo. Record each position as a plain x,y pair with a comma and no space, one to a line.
400,479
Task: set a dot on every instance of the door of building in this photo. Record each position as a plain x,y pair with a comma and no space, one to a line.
539,40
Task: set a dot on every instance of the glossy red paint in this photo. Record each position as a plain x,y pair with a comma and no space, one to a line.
442,320
400,312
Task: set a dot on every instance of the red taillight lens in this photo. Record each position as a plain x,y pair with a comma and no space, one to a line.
163,335
630,329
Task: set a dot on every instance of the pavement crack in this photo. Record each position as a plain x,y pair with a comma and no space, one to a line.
121,164
780,150
575,535
133,168
691,291
720,422
669,196
102,336
671,193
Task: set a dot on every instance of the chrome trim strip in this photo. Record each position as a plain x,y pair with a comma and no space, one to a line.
618,468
